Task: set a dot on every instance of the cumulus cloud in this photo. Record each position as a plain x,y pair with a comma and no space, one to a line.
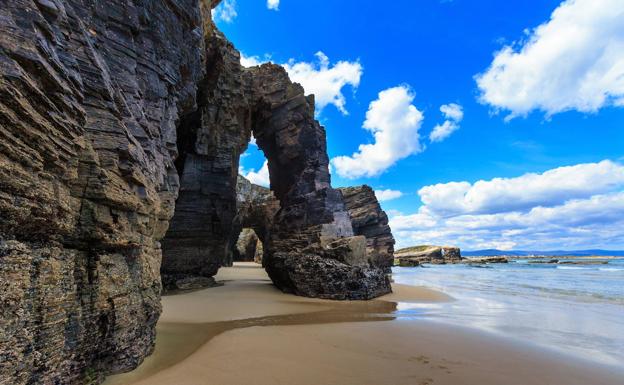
529,190
387,195
325,81
533,211
453,113
273,4
322,79
574,61
251,61
260,177
394,122
226,11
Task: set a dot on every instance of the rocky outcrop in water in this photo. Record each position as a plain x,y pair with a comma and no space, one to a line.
436,255
121,127
483,260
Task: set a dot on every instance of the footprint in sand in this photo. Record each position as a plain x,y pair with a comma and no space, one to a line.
421,359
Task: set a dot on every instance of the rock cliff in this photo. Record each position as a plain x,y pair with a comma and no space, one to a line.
369,220
90,94
121,127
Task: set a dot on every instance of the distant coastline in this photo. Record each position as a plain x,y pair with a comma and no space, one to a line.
550,253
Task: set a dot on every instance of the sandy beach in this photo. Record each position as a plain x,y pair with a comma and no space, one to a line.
248,332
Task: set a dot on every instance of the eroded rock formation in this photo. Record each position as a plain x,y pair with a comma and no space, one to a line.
121,128
256,208
437,255
369,220
246,248
90,93
233,102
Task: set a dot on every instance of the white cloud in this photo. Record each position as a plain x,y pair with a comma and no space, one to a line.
574,61
394,122
443,131
251,61
500,194
453,113
324,81
565,208
273,4
387,195
260,177
226,11
393,213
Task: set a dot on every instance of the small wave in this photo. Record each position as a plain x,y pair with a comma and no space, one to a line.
610,269
570,268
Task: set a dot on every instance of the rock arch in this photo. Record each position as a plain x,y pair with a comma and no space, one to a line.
233,102
121,129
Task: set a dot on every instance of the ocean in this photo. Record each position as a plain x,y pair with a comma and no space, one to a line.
574,309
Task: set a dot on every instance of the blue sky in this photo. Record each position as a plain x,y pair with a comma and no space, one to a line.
526,101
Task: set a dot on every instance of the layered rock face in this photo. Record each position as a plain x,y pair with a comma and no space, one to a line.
306,214
256,208
210,142
121,127
90,93
369,220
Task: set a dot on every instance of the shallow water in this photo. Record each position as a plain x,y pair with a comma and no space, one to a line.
577,309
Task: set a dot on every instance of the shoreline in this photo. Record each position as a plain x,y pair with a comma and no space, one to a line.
247,331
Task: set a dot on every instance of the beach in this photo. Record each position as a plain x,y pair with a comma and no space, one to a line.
248,332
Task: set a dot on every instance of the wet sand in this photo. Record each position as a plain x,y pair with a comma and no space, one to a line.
248,332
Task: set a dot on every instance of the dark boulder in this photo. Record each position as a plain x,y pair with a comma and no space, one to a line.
307,275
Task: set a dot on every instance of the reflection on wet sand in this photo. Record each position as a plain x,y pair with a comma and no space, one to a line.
247,332
176,341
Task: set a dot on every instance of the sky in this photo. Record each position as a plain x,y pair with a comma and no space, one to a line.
479,123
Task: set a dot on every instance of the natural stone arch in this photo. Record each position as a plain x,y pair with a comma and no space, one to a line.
311,224
248,247
256,207
98,144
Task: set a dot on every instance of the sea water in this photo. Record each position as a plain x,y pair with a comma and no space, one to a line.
576,309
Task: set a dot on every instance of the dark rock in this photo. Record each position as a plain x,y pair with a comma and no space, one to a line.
210,140
305,214
90,95
544,261
408,262
369,220
256,208
121,128
583,262
188,283
481,260
307,275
